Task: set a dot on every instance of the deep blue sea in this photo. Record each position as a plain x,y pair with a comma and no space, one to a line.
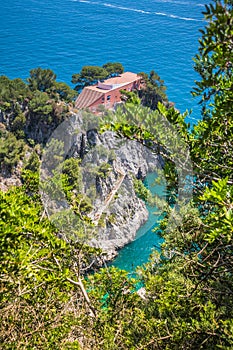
143,35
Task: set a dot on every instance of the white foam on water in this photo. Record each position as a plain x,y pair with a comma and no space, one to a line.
189,3
105,4
126,8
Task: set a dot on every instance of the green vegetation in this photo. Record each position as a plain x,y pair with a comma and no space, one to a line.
41,79
142,191
34,109
44,80
90,75
37,298
103,170
11,151
154,91
49,299
113,68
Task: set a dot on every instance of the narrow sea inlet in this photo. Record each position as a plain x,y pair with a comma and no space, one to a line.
137,252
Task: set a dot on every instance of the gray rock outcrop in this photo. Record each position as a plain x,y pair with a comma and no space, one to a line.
118,218
110,166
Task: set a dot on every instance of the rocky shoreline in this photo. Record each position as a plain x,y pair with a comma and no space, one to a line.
110,165
125,213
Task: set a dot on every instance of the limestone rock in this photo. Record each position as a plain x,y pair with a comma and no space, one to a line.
118,212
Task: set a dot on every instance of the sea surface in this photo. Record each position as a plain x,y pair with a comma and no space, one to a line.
143,35
65,35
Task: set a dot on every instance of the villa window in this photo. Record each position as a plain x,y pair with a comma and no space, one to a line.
108,97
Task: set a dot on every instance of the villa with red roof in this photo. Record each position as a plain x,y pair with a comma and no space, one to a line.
107,93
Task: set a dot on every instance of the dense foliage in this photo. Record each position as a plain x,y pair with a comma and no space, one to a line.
90,75
47,299
154,91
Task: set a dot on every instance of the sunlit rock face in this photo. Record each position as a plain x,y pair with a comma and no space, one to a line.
110,166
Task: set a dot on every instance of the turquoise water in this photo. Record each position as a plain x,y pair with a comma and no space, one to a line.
64,35
137,253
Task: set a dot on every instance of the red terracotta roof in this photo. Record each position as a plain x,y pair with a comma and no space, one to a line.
121,80
87,97
92,93
124,78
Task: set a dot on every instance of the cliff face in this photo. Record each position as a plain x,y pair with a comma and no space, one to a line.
110,166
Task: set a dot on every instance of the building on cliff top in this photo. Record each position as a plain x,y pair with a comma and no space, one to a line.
107,93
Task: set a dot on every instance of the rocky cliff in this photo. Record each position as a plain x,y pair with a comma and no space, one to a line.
110,166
